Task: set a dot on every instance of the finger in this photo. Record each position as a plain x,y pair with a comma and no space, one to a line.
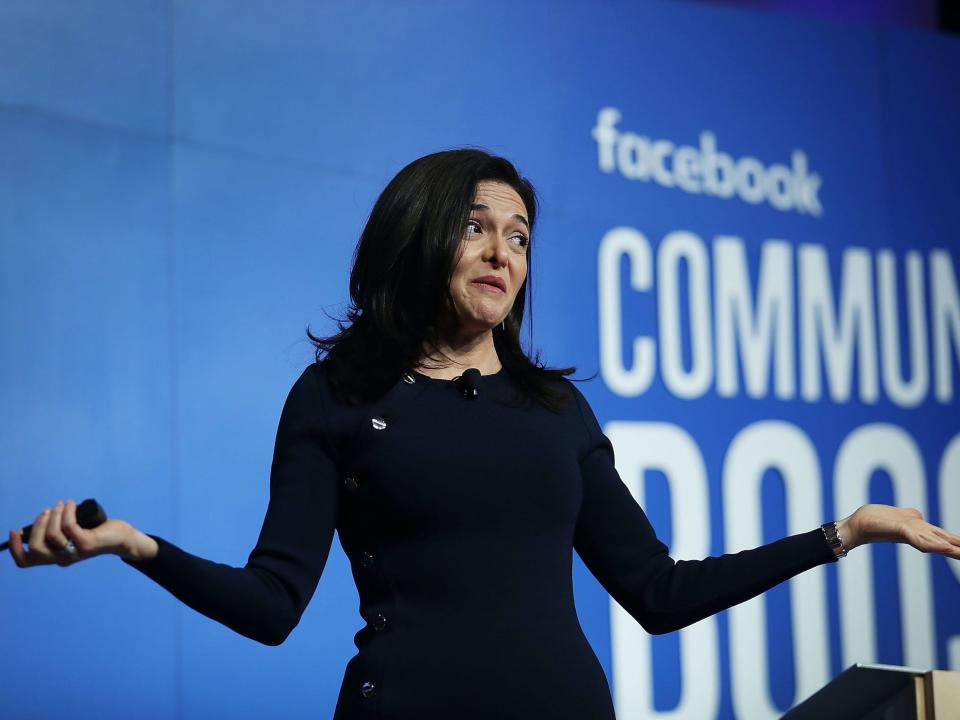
71,529
39,553
953,543
36,541
16,549
950,541
56,540
955,539
950,550
940,532
931,542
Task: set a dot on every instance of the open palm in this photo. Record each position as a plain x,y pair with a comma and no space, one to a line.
884,523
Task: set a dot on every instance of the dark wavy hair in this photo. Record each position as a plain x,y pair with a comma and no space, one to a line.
400,281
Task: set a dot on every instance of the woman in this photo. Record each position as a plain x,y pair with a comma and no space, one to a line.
459,513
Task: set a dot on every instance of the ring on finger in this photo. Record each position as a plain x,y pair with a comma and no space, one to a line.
69,548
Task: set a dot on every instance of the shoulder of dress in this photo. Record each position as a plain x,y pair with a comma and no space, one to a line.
576,396
319,376
311,378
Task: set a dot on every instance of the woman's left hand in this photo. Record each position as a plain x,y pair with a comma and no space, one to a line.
884,523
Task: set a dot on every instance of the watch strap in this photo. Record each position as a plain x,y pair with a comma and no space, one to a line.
834,540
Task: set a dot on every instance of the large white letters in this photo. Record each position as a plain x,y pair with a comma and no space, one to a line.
870,448
946,321
718,325
763,445
642,446
948,485
639,158
616,244
738,326
912,392
778,329
836,339
676,247
639,447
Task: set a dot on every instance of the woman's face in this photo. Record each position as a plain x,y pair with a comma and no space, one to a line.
493,263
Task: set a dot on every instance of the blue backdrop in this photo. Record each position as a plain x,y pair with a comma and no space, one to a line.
747,230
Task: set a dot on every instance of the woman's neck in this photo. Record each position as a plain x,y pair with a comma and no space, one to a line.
455,356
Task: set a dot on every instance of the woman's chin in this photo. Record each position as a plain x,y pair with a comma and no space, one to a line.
478,326
482,319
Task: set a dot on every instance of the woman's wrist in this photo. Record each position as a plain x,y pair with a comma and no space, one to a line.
848,535
139,546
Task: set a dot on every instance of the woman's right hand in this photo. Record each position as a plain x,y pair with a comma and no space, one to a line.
54,527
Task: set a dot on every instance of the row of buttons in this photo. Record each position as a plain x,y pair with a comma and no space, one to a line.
351,484
379,621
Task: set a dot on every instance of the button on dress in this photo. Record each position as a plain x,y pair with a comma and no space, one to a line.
460,518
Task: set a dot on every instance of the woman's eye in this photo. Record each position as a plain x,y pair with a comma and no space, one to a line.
474,227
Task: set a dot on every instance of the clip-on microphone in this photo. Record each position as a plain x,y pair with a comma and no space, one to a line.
470,383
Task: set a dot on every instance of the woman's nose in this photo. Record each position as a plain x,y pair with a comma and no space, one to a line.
497,250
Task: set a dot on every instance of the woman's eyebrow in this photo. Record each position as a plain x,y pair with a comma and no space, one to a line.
480,206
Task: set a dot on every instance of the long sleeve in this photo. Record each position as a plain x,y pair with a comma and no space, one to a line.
264,599
619,546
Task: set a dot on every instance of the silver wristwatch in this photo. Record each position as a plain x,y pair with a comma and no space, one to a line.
833,539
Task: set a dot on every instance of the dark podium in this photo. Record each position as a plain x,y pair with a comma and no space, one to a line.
884,692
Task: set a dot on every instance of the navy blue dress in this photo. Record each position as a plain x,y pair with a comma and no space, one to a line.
460,518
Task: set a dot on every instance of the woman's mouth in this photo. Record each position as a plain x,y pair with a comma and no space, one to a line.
493,283
488,287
